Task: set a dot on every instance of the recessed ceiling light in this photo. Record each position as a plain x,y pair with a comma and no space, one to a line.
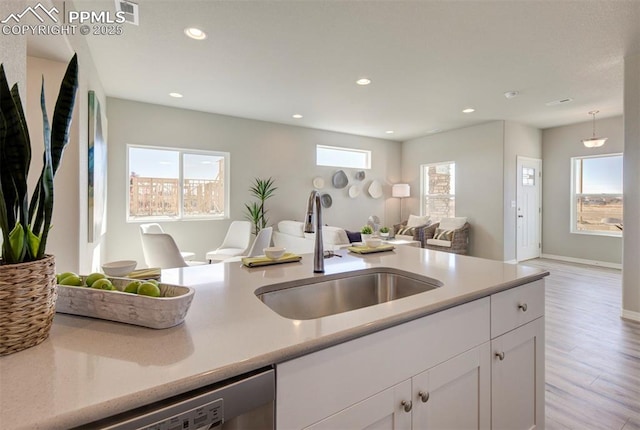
195,33
176,95
389,131
434,130
296,116
363,81
511,94
468,110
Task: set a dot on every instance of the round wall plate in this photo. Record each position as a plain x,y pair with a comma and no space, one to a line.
340,179
375,189
354,191
326,200
360,175
318,183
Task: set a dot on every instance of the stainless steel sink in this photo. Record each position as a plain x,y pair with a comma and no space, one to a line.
314,298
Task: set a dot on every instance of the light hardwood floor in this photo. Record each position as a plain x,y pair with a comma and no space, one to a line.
592,355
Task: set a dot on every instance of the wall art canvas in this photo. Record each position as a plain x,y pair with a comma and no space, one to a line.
97,178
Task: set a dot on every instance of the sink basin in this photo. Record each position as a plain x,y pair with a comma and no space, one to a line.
314,298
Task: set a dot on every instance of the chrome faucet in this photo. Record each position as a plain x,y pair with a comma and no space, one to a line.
318,254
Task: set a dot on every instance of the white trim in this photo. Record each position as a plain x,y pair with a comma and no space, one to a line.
583,261
514,261
630,315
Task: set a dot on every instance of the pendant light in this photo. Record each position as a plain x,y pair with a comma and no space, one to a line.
594,142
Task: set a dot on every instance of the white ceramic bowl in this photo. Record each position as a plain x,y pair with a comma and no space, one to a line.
274,252
119,268
374,242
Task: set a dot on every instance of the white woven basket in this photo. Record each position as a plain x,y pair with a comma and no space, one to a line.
168,310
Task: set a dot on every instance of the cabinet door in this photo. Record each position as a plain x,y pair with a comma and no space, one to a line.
517,376
382,411
456,394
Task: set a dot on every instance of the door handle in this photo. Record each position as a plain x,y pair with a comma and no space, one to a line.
520,216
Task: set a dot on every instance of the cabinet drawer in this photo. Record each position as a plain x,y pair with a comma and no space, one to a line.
517,306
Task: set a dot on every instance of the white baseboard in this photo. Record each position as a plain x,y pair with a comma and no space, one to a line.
583,261
514,261
630,315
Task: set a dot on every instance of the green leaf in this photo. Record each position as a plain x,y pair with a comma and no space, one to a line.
33,241
16,238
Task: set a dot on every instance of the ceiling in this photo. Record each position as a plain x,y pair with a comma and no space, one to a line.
427,60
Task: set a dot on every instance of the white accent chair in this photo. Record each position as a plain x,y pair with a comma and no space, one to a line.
155,228
262,241
235,243
160,250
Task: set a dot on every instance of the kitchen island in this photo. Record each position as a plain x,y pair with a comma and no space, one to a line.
89,369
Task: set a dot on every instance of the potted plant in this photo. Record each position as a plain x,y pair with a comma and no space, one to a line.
366,232
262,189
27,275
384,232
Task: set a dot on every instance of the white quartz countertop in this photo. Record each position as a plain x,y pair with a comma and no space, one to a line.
90,369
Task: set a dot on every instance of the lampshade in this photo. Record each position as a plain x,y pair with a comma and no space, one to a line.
400,190
594,142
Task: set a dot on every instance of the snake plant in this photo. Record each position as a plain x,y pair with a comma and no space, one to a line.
25,224
261,189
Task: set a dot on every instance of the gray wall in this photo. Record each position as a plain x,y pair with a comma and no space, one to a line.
258,149
524,141
559,144
478,154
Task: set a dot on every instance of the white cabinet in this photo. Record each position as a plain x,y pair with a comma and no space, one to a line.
517,367
455,394
478,365
452,395
381,411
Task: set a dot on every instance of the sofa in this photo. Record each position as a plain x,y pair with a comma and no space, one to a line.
290,235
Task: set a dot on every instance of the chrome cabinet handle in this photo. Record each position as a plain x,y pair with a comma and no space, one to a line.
500,355
424,397
523,307
407,405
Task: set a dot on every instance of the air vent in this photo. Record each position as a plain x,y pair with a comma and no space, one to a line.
130,10
559,102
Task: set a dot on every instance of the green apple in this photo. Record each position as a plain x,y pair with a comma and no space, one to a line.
132,287
72,280
103,284
149,289
61,276
89,280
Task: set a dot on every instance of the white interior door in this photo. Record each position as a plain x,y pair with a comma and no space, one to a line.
529,208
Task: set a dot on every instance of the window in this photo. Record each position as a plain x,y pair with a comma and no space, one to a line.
177,184
596,206
439,190
342,157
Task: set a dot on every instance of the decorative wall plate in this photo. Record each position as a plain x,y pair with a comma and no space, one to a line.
359,175
354,191
340,179
326,200
375,189
318,183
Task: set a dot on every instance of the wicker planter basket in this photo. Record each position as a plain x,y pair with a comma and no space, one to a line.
28,295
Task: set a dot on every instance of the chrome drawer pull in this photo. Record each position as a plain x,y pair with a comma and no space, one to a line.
407,405
523,307
424,397
500,355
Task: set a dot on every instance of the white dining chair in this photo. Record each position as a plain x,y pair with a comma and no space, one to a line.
262,240
160,250
155,228
235,243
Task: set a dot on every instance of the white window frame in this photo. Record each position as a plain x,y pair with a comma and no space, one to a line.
337,149
424,188
181,216
573,217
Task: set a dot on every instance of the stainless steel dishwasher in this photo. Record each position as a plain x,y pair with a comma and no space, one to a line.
245,402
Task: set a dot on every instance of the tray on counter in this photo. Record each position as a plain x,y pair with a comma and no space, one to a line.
370,250
168,310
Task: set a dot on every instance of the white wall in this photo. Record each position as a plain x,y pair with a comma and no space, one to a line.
258,149
524,141
478,154
14,50
559,144
631,271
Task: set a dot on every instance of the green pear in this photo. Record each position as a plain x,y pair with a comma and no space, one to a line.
72,280
94,277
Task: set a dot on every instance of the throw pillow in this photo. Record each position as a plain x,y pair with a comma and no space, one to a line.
442,234
406,231
417,221
354,236
452,223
